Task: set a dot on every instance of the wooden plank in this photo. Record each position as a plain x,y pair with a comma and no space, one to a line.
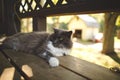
37,69
78,7
39,23
94,72
7,71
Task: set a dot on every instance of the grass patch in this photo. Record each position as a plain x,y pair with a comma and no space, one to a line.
92,53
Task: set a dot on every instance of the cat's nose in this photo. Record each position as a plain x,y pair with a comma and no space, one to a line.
55,42
64,54
61,46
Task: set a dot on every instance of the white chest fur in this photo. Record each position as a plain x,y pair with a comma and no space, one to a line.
57,51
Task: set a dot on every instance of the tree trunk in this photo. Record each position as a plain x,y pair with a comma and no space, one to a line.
109,30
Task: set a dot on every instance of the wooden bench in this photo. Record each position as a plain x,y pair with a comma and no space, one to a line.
70,68
7,71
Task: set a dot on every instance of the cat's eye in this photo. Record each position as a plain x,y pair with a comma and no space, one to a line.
61,39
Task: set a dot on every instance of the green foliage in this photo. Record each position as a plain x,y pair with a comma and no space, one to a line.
101,25
100,19
118,22
55,22
63,26
49,27
55,1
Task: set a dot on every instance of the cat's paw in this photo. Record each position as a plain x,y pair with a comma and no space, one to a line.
53,62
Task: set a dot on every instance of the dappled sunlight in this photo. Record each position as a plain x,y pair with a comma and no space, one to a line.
7,74
117,44
92,53
26,25
28,70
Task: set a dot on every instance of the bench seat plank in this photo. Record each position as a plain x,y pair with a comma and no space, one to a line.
40,69
7,71
88,69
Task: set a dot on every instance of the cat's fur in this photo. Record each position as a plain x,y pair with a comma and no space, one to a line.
42,44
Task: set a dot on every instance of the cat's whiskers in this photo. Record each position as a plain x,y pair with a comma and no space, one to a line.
57,51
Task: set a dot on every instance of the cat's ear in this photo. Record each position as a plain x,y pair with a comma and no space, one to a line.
55,30
69,33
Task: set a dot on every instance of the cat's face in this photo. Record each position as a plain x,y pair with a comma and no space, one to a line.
61,38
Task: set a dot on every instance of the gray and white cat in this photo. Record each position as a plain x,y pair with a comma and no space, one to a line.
45,45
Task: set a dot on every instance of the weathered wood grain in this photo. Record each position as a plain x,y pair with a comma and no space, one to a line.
88,69
7,71
70,68
37,69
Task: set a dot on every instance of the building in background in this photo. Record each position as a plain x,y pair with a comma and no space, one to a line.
84,27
